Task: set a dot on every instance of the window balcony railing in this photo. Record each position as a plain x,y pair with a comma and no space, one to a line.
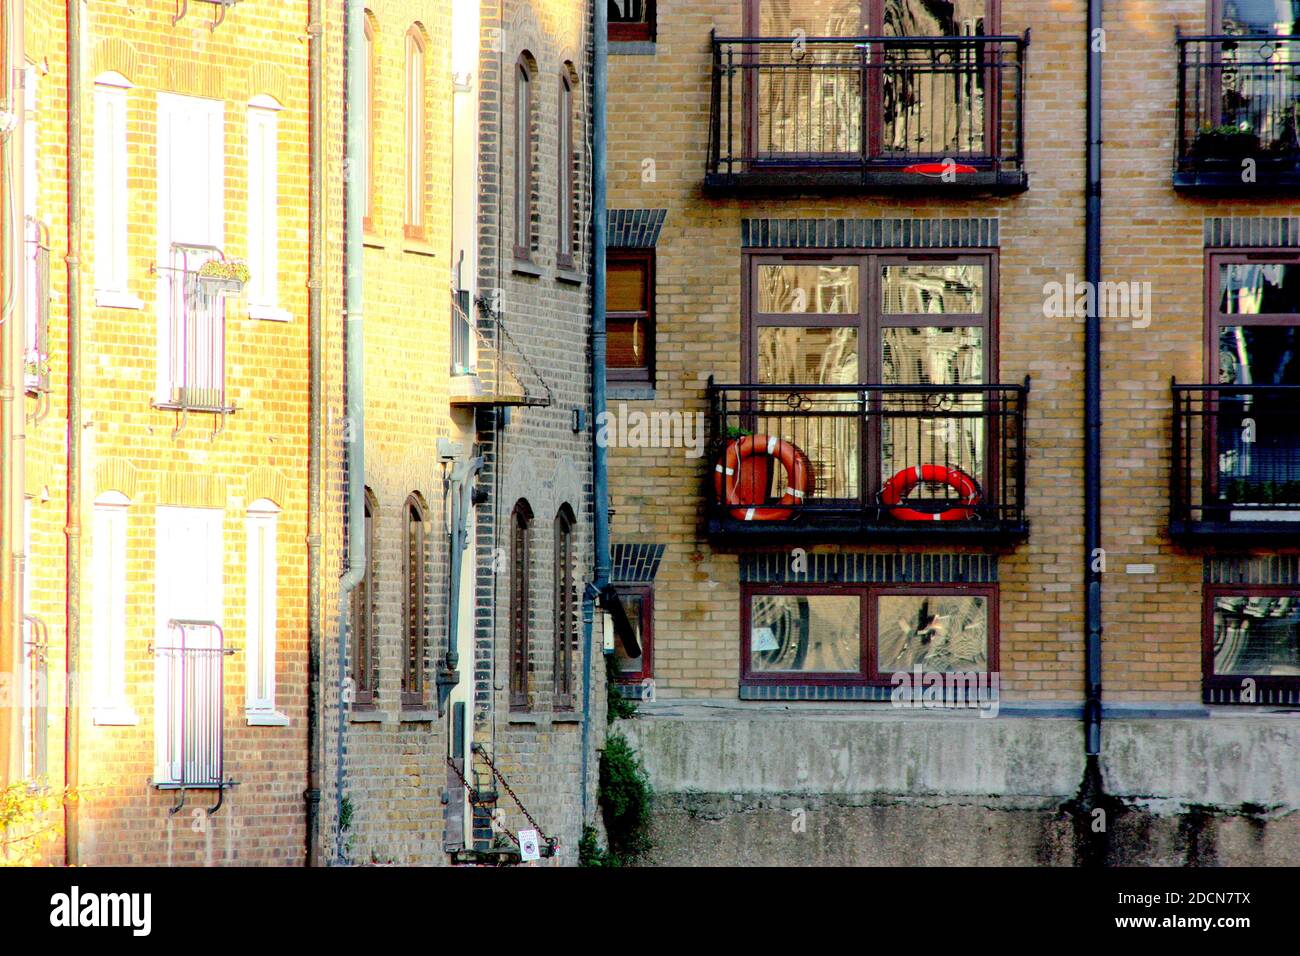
36,361
191,692
863,113
1238,106
1236,462
858,462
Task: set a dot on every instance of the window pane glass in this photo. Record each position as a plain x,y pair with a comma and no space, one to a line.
627,11
625,287
935,632
821,289
918,18
1254,288
1257,636
930,429
626,343
809,633
1261,16
816,18
813,356
932,288
623,661
1259,355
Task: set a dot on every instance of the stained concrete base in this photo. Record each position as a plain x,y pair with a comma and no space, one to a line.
828,785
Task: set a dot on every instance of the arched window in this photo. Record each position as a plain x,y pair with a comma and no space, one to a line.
111,179
261,579
368,126
365,599
415,601
521,523
524,158
566,174
263,203
417,136
566,617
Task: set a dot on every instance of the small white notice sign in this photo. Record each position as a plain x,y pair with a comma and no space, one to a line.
764,639
528,849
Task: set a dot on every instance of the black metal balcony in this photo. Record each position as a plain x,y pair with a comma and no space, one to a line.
867,113
866,448
1238,104
1236,463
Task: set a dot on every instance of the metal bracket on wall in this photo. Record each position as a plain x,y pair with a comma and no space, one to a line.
217,16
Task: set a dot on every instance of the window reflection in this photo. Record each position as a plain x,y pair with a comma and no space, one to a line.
1257,636
933,632
813,633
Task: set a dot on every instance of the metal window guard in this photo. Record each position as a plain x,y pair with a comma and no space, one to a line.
196,357
196,719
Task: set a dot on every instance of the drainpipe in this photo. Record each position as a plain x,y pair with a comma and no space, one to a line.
11,376
599,463
72,725
315,279
1092,396
354,357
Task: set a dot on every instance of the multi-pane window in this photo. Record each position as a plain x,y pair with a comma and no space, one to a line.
865,634
415,597
263,205
1253,338
110,227
1252,641
566,175
521,523
261,576
883,319
365,598
523,159
631,20
638,602
417,135
366,126
566,616
108,609
630,315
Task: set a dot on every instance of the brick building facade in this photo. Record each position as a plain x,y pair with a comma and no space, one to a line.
804,202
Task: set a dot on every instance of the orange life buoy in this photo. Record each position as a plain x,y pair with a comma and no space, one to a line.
901,485
741,478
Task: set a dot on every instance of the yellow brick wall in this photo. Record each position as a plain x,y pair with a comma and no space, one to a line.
659,109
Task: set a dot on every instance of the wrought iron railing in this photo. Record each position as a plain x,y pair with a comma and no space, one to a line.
836,104
35,699
198,280
1238,101
36,360
861,439
1236,455
191,683
462,335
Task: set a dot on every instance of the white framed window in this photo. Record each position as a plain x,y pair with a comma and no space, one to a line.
188,663
416,134
263,202
262,575
111,164
191,210
108,610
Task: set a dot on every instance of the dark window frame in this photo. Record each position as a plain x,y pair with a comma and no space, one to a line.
524,185
635,31
1211,681
565,616
646,593
1215,319
566,177
640,375
365,617
415,602
521,560
869,673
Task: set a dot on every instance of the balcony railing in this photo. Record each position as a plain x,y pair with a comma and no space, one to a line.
190,687
1238,105
36,361
868,447
462,335
1236,461
862,113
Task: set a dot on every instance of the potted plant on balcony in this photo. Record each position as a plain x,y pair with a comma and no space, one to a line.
223,275
1225,143
1257,496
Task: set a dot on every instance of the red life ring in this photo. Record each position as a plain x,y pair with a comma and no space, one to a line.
741,478
901,485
